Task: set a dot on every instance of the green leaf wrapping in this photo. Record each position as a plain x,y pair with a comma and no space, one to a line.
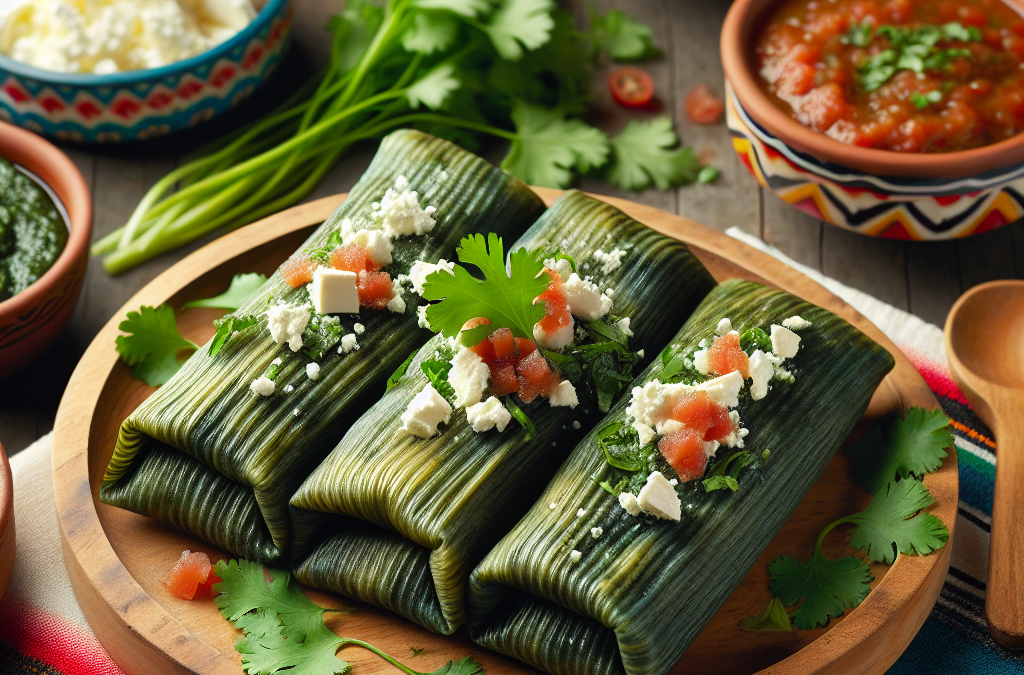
641,592
205,428
410,517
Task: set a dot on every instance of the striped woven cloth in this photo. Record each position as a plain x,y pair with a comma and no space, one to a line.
43,631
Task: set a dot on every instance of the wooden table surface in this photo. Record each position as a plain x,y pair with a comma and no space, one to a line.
923,278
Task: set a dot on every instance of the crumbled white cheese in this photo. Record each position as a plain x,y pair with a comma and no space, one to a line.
659,498
576,425
796,322
645,432
785,343
399,212
334,291
276,362
596,532
563,395
262,385
700,361
640,353
487,415
674,482
421,313
349,342
286,324
377,245
359,328
426,410
761,373
468,377
562,266
623,325
397,304
420,270
724,326
575,556
610,261
652,404
627,500
289,389
553,506
585,299
710,449
295,412
313,371
556,339
610,292
581,512
669,426
725,389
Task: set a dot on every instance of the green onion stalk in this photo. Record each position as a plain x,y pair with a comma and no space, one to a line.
276,161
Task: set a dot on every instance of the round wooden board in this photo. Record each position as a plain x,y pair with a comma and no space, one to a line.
115,557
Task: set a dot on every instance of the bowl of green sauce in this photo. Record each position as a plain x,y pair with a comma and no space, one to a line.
45,228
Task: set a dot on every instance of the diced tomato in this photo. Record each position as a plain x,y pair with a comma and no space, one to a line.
526,347
631,87
535,377
205,589
684,451
297,271
703,107
504,344
725,356
191,571
503,377
352,258
823,107
556,308
374,289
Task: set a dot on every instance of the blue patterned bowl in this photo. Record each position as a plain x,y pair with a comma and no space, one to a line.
146,103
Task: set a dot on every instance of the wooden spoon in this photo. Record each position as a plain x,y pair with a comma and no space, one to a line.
985,345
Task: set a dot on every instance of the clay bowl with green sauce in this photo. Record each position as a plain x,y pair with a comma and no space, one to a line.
39,296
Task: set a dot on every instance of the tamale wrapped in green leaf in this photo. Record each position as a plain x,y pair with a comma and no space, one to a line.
397,520
218,450
599,580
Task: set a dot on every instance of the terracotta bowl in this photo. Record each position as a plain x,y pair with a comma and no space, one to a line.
31,320
875,192
6,522
142,104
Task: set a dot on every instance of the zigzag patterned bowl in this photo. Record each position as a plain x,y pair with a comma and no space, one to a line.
916,196
146,103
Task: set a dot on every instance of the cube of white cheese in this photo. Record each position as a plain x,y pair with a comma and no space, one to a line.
468,377
700,361
556,339
761,373
645,432
627,500
420,270
563,395
724,326
425,411
487,415
658,498
724,389
585,299
785,343
334,292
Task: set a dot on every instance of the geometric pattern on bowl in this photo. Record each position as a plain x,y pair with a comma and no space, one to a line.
142,104
888,207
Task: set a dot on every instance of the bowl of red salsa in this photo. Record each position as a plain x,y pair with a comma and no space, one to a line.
894,118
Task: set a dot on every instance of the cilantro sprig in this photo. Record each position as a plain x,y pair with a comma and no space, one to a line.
284,631
506,299
889,461
915,49
153,347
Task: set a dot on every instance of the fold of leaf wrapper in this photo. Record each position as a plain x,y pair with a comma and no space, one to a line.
635,598
207,456
399,521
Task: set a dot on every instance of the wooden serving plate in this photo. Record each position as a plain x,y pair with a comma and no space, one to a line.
115,557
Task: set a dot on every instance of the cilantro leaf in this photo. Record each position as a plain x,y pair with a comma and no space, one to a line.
465,666
153,347
622,38
226,328
241,287
774,618
399,373
893,523
505,299
430,32
645,153
434,87
520,23
467,8
827,587
548,147
244,588
904,448
314,654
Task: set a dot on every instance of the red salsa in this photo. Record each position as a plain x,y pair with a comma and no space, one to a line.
903,75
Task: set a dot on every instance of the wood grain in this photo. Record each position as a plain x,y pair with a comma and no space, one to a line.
115,557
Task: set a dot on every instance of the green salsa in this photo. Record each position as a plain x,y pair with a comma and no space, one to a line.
32,231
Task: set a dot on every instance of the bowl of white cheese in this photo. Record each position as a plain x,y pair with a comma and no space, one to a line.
108,71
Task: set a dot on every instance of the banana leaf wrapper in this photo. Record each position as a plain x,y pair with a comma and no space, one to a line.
207,456
643,590
410,517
